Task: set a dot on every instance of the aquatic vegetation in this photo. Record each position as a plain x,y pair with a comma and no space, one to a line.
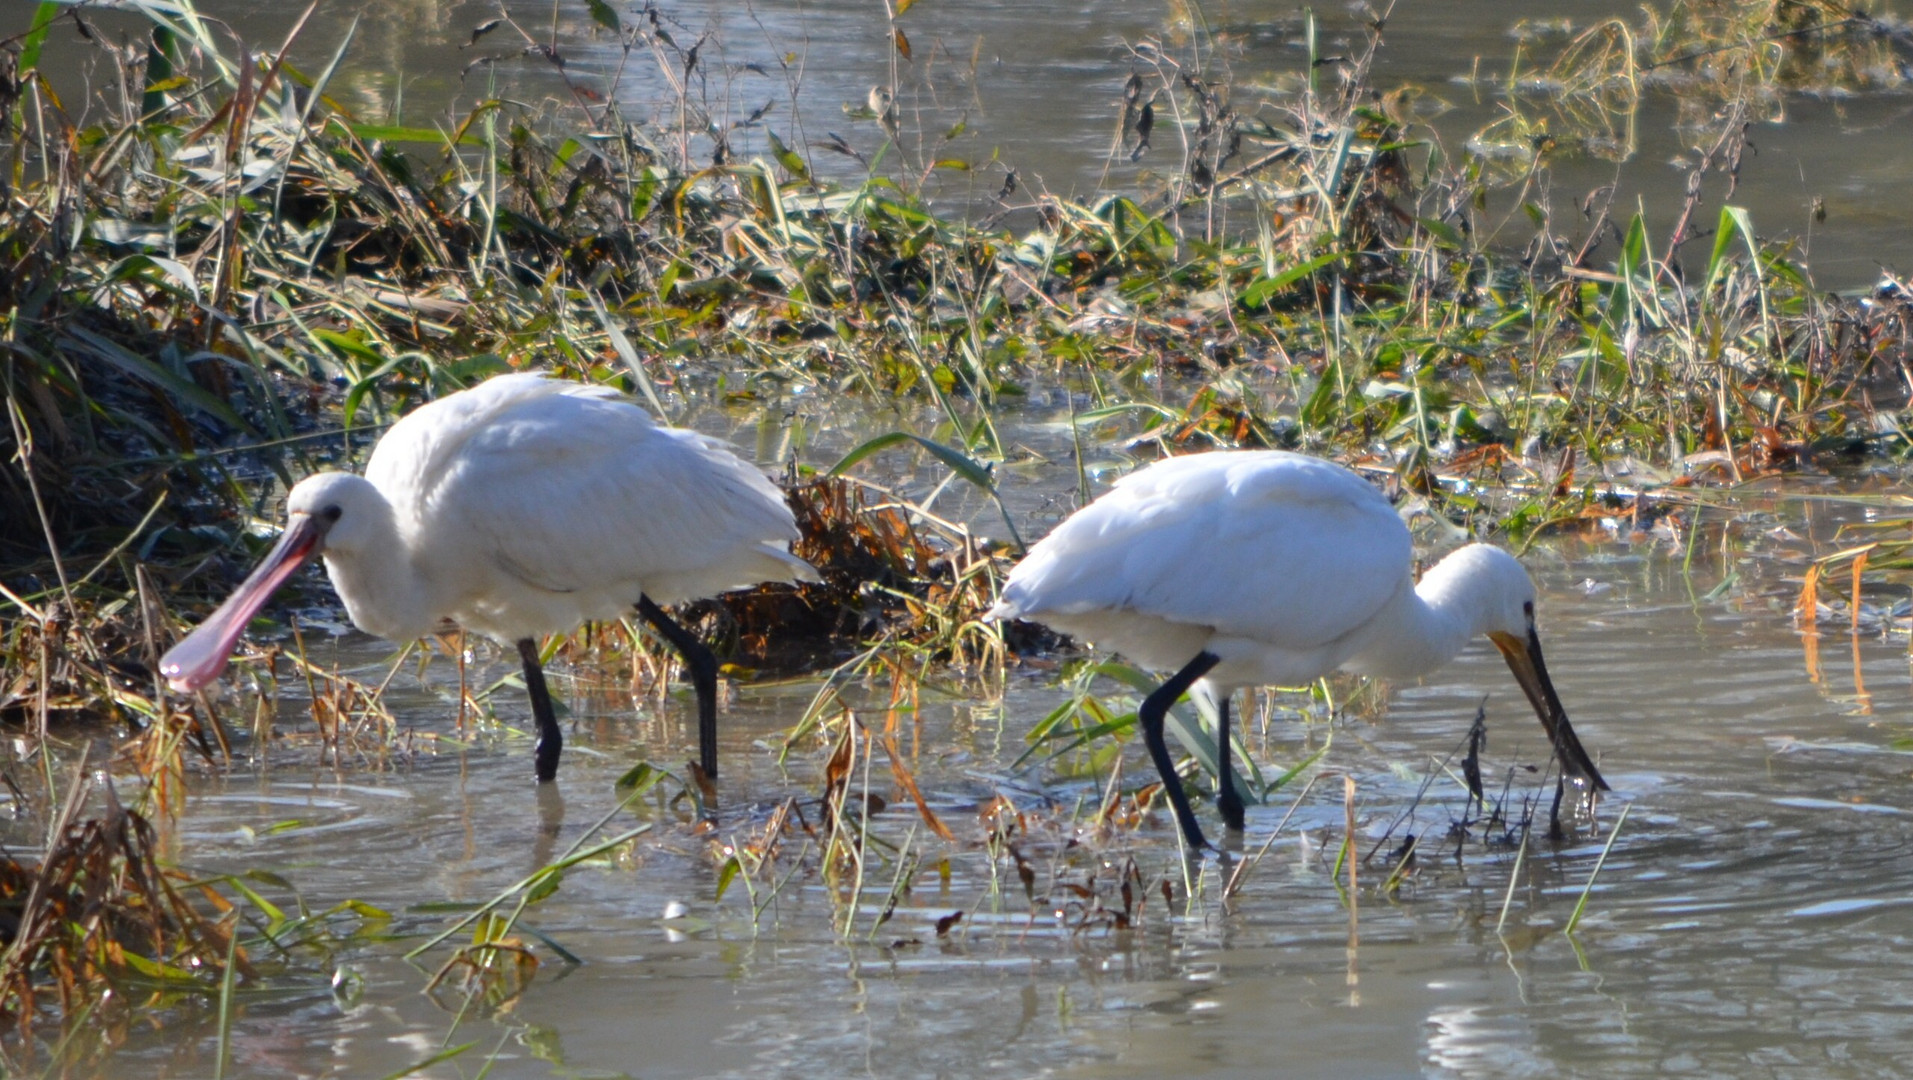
103,935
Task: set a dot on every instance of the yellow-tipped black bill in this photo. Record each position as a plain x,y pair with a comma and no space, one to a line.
1524,659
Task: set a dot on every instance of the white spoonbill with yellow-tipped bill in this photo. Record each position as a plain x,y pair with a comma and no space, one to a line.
1256,568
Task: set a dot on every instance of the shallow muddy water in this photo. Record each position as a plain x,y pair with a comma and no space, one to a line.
1751,919
1041,94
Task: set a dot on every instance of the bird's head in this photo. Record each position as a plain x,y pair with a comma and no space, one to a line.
1496,590
341,509
1490,585
329,510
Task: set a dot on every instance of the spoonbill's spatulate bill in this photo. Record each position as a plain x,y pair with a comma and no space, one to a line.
523,507
1258,568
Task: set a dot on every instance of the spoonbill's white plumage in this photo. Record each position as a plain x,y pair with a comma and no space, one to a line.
521,507
1253,568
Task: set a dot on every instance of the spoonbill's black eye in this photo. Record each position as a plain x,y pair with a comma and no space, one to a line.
331,513
1527,608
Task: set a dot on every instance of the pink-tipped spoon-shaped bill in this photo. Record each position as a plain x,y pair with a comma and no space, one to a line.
201,657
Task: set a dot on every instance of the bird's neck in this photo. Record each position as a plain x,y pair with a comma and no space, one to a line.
1428,635
376,579
1429,625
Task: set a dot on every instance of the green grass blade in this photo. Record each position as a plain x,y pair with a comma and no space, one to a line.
35,38
1581,905
225,1004
1507,899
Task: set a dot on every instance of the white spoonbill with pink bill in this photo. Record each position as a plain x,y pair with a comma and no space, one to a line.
522,507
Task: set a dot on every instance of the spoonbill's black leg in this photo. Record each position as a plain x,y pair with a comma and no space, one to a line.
550,740
1150,715
703,668
551,824
1227,800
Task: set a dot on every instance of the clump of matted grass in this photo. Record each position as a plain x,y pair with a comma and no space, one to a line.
94,911
890,570
103,936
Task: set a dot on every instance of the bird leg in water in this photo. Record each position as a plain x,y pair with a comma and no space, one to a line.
551,824
702,665
1150,715
1227,800
550,740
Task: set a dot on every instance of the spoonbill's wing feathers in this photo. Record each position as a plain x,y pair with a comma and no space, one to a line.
415,456
1226,540
575,489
